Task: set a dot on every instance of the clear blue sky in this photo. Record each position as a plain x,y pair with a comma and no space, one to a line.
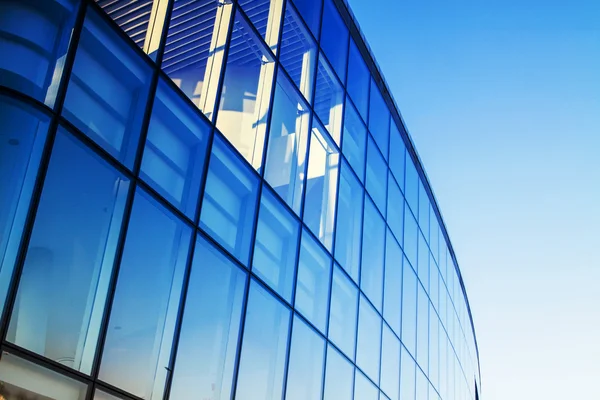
502,99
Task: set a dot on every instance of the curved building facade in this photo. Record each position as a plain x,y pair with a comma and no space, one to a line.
207,199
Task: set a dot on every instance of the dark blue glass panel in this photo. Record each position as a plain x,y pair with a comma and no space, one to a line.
358,80
354,141
411,191
395,209
329,100
373,253
379,119
334,39
392,293
397,155
310,10
376,179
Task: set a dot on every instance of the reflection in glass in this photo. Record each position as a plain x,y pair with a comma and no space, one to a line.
376,177
411,191
364,389
72,247
423,263
424,211
390,363
354,141
305,370
34,37
22,137
265,15
264,347
373,254
409,307
407,376
229,201
288,144
243,108
210,327
142,321
321,185
334,38
369,340
343,313
379,119
411,236
395,209
434,329
175,150
310,10
100,395
275,245
422,329
20,379
339,376
349,222
329,100
422,386
312,284
392,293
358,80
397,154
108,90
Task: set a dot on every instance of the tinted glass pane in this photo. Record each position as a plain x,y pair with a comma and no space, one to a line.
395,209
349,222
339,376
108,90
423,263
321,186
369,340
373,252
409,307
288,144
433,347
22,137
140,330
411,185
334,39
312,285
310,10
343,313
20,379
265,15
329,99
379,119
307,357
100,395
229,201
423,386
298,53
411,236
36,35
424,211
363,388
210,327
407,376
354,144
264,347
397,154
246,93
390,363
175,150
275,245
358,80
376,177
422,329
392,298
72,246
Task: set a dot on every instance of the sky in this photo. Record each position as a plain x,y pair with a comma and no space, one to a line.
502,99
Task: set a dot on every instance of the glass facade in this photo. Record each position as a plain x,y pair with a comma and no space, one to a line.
210,199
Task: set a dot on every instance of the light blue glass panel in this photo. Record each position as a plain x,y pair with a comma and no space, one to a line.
307,357
390,363
395,209
349,222
312,284
411,180
264,347
397,154
229,201
34,36
409,307
423,263
146,301
407,376
434,353
376,177
364,389
424,211
369,340
379,119
392,293
329,100
72,247
358,80
288,143
339,376
423,386
373,255
210,327
343,313
422,329
334,39
310,10
108,90
23,134
411,236
354,143
276,245
434,283
175,150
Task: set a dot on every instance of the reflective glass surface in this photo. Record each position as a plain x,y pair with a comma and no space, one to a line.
390,363
379,119
376,177
310,10
397,155
343,312
364,389
354,141
411,183
395,209
409,308
369,340
334,39
407,376
265,15
358,81
392,293
329,100
339,376
424,212
422,329
373,254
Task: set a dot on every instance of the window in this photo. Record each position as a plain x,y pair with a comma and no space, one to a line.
312,285
264,347
422,329
390,363
373,253
376,179
307,357
364,389
72,247
265,15
397,155
288,144
343,312
379,119
146,301
334,39
100,395
329,99
411,185
354,144
434,354
358,80
175,150
349,222
275,246
407,376
369,340
34,37
411,236
246,92
108,90
210,327
395,209
409,307
339,376
424,211
22,138
321,186
423,264
392,293
310,10
229,201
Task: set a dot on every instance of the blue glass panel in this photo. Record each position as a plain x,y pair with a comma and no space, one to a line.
23,133
276,245
34,36
422,386
392,294
422,329
146,301
339,376
407,376
434,328
411,191
373,253
376,179
395,209
379,119
424,211
175,150
390,363
397,155
72,247
334,39
307,357
409,307
329,100
264,347
369,340
229,201
343,312
210,327
310,10
265,15
108,90
423,264
364,389
358,80
354,143
411,236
